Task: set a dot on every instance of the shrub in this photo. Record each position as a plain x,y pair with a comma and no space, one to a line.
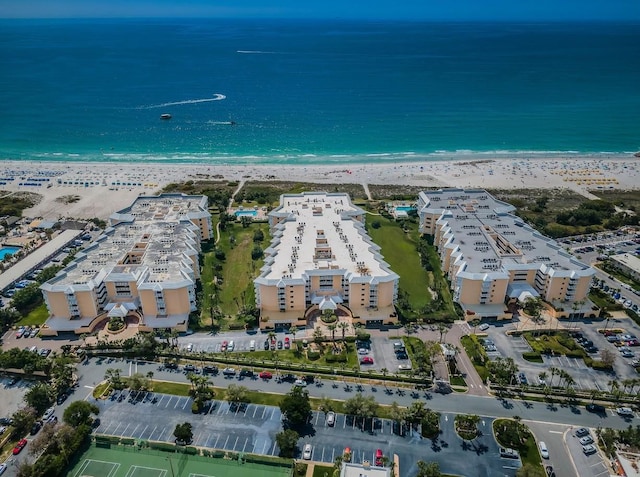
220,255
195,407
313,355
532,356
336,358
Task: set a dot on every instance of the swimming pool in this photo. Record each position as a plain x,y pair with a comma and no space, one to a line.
246,213
4,251
404,208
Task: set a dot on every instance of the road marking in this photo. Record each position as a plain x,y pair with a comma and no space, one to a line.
89,387
446,418
322,458
186,401
556,432
216,444
168,402
333,452
134,431
116,429
177,402
143,431
264,447
254,411
264,412
245,444
154,430
273,451
225,442
125,430
235,443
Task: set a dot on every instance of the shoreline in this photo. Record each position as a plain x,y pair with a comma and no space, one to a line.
113,185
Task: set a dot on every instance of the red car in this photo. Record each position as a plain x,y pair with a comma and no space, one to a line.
287,343
19,446
265,375
224,346
379,458
366,360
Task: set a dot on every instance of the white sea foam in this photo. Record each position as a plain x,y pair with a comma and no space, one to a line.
216,97
255,52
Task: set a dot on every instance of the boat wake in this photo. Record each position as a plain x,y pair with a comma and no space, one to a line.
216,97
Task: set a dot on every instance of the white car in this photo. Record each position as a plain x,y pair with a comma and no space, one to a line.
544,451
363,351
331,418
306,452
300,382
48,413
483,327
3,467
589,449
586,440
624,411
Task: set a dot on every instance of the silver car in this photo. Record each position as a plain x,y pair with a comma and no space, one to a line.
307,451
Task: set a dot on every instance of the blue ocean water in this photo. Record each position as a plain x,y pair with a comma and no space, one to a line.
278,91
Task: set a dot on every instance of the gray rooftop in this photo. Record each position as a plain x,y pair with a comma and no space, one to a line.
488,238
152,242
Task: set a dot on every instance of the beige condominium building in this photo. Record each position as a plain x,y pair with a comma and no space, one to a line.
143,268
492,257
321,258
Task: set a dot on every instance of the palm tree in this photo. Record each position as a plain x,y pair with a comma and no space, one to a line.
543,377
332,328
293,330
343,327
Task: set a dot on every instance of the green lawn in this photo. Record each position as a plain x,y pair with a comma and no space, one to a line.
399,251
528,450
237,274
322,471
476,354
37,316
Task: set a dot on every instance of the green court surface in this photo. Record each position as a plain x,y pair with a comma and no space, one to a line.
119,461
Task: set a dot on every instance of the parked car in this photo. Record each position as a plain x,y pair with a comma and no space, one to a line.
266,345
287,342
265,375
586,440
483,327
246,373
583,431
379,458
48,413
300,382
3,468
231,346
280,344
508,453
35,428
589,449
307,451
366,360
19,446
209,370
544,451
331,418
223,346
363,351
625,411
229,371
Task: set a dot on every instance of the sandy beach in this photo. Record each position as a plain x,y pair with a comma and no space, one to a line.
106,187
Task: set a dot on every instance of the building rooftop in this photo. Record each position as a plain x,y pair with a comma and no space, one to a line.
149,242
490,238
628,259
363,470
320,232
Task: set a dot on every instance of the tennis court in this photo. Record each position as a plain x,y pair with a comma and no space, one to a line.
121,461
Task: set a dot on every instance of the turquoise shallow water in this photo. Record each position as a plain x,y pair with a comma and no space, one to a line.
244,91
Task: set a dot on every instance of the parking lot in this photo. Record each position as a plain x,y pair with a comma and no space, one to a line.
245,428
252,428
11,396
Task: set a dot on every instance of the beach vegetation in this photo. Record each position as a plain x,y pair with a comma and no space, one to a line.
560,213
268,193
12,204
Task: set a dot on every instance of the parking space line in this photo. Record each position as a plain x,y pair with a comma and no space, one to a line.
264,447
152,432
168,402
317,417
264,412
125,430
116,429
254,412
133,433
225,442
186,401
273,450
143,431
235,443
333,452
245,444
215,446
322,458
177,402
